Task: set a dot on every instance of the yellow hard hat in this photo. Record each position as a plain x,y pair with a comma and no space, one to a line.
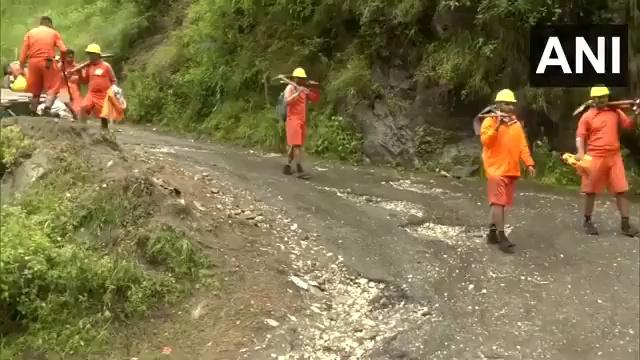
94,49
597,91
506,95
299,73
19,84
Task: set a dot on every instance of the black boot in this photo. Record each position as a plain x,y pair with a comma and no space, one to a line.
104,124
505,244
287,170
589,227
492,236
301,173
628,229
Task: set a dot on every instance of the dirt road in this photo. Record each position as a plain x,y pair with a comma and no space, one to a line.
447,294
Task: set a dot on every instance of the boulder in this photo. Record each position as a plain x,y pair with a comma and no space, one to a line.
387,138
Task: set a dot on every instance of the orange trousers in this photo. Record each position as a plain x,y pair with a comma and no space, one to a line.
72,95
44,76
500,190
92,103
605,172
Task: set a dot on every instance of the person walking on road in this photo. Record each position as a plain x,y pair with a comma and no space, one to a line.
598,136
296,99
100,76
38,51
504,144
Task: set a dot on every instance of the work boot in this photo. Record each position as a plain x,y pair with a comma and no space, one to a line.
287,170
590,228
492,236
301,173
628,229
505,245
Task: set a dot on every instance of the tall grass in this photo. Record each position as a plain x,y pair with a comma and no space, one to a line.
80,22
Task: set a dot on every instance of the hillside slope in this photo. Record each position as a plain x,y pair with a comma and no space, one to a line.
393,72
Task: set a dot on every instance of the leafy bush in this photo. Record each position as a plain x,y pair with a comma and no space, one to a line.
552,170
13,147
60,286
331,136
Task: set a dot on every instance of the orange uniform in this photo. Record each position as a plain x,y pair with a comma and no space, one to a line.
73,90
599,128
39,48
100,77
502,151
297,114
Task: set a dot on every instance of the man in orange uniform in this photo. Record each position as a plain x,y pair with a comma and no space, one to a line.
504,144
100,77
598,128
39,49
71,93
296,98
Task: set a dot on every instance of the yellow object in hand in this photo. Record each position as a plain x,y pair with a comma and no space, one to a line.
582,166
19,84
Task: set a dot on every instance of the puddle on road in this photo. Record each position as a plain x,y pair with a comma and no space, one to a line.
393,205
420,188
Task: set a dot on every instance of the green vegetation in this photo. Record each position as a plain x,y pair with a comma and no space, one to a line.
114,24
205,65
13,147
551,170
79,255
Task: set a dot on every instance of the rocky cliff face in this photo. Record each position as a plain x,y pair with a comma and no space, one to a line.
412,123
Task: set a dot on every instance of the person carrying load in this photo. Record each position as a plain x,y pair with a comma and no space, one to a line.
296,98
504,145
100,77
598,136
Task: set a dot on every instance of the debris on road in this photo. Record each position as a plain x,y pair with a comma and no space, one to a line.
272,323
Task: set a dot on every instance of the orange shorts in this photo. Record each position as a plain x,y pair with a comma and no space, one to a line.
296,133
500,190
71,95
43,76
92,104
605,172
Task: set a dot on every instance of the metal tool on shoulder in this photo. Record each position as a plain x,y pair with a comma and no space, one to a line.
620,104
491,111
86,63
284,79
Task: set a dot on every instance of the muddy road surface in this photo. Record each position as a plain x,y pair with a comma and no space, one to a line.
418,280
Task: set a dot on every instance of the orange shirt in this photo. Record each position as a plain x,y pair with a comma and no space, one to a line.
41,43
599,129
502,150
72,77
100,77
297,108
